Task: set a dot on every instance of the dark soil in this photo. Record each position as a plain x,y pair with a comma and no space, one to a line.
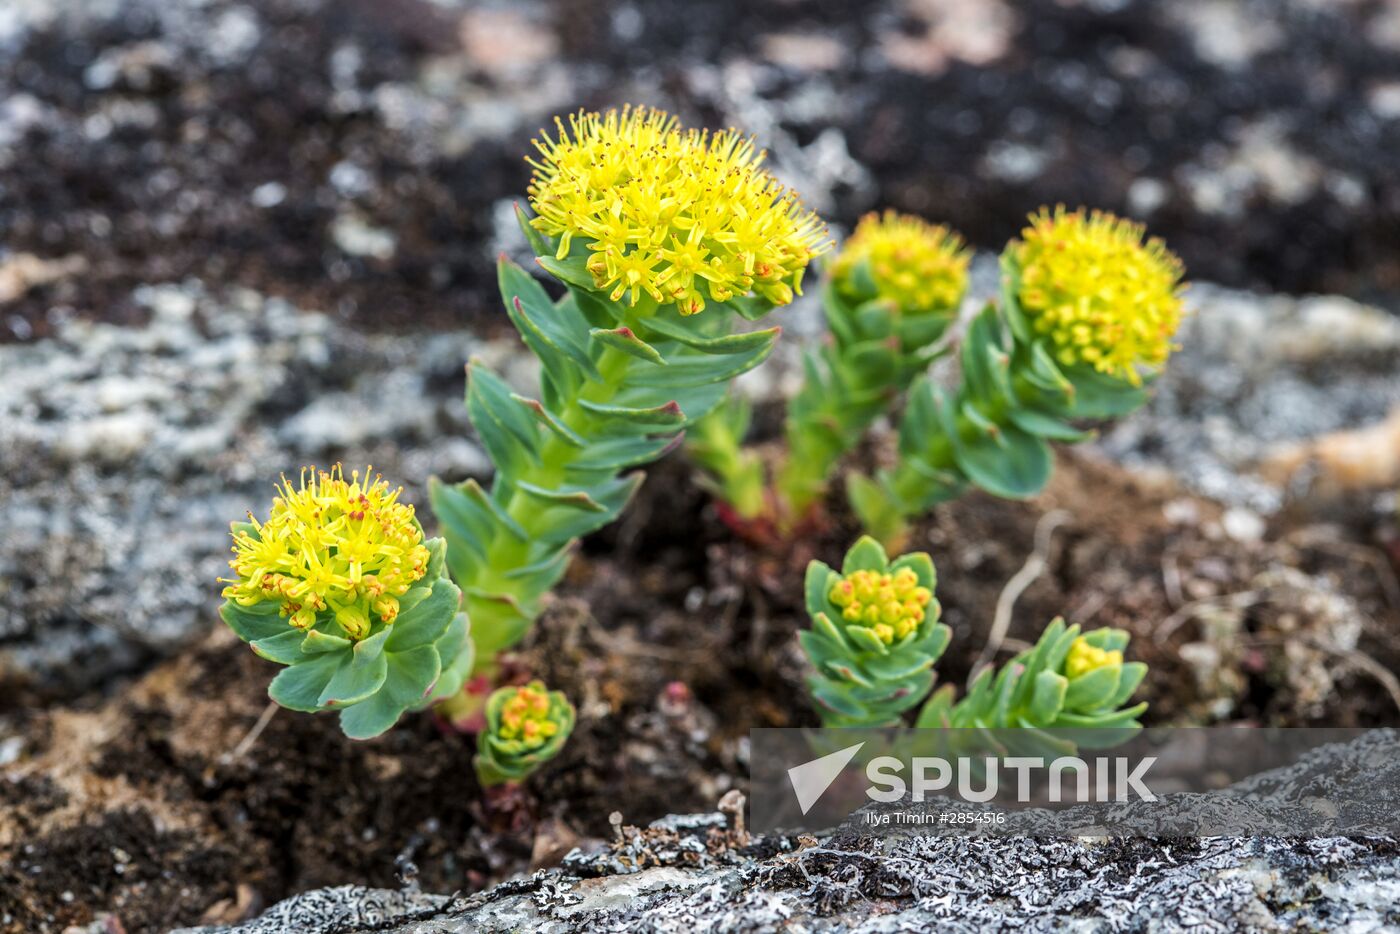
673,645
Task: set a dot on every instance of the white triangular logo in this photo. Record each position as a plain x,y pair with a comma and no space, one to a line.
811,779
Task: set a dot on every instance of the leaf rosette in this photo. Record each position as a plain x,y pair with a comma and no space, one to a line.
340,588
525,728
875,635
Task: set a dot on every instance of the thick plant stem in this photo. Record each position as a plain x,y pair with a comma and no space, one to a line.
620,382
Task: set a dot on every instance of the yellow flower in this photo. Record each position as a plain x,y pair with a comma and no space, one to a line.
681,216
892,605
918,266
1084,658
1100,294
348,547
525,717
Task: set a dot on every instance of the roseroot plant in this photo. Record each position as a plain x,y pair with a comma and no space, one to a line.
875,635
1085,321
662,239
875,638
891,293
1067,683
339,586
525,728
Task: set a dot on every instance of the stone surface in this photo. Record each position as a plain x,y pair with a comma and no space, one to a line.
126,451
689,874
1254,375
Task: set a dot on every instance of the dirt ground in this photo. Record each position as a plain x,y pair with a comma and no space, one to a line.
162,805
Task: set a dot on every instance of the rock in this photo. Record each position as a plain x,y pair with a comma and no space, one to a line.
653,880
126,451
1257,379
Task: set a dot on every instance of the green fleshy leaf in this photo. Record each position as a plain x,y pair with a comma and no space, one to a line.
508,433
824,626
361,678
1010,288
749,307
1011,464
1038,423
283,648
1035,660
611,455
981,340
864,638
574,499
299,686
426,621
571,273
898,666
537,411
701,369
816,586
865,555
1128,681
624,339
1048,698
819,647
830,697
723,345
937,711
260,621
538,242
1122,718
370,718
921,564
458,654
550,329
317,642
657,417
1108,639
1093,691
563,517
1100,396
411,675
437,558
880,513
1059,649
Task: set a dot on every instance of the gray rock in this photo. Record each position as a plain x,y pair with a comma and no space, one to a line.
1253,372
126,451
685,874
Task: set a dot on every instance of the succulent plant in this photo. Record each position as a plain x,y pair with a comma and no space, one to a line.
339,586
1067,681
646,226
525,728
892,291
875,635
1085,319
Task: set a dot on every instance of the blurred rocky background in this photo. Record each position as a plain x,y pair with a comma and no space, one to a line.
359,156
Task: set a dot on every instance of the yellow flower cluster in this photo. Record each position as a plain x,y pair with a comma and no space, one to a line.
890,604
679,215
347,546
525,717
1098,292
918,266
1084,658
